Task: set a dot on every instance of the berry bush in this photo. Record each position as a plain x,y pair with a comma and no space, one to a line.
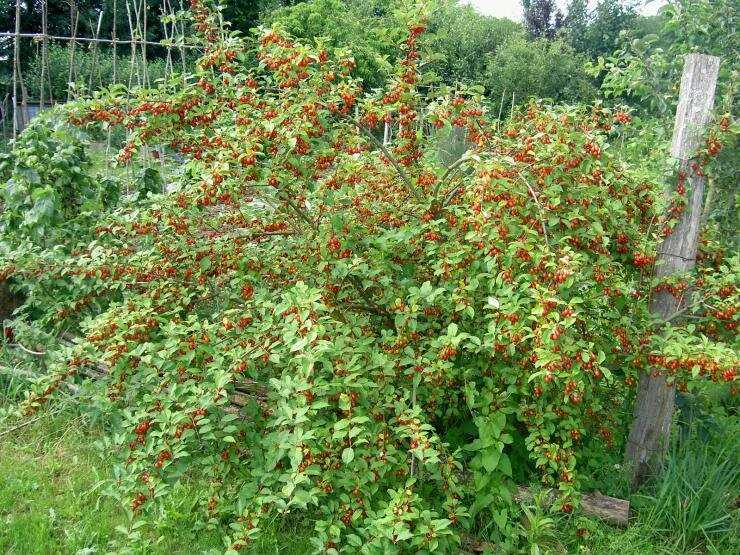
315,320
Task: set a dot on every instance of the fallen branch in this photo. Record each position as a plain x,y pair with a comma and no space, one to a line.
26,349
21,425
609,509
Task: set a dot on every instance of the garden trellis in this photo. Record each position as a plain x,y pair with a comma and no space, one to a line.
133,37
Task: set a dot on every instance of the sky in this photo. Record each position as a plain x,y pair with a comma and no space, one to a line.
513,8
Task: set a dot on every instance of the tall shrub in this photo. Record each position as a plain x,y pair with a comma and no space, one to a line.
315,321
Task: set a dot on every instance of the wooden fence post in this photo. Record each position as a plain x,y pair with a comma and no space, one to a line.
676,255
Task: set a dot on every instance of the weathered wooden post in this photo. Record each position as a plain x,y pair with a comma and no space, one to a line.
676,255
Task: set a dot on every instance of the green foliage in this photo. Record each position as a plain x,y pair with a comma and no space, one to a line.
90,72
461,45
462,40
648,69
47,181
536,69
692,504
52,192
596,32
49,489
53,499
244,16
368,29
537,528
576,23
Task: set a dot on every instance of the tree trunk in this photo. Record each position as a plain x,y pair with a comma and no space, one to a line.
654,404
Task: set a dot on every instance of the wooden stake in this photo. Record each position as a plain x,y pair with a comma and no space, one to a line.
16,63
74,17
181,42
139,7
114,41
651,427
44,54
95,49
168,71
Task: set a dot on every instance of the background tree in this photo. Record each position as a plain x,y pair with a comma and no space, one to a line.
463,39
244,16
596,32
542,18
540,68
576,23
608,19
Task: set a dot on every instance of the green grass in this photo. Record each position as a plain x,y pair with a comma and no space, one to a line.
51,501
689,508
48,482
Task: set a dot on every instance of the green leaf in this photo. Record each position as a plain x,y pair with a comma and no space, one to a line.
504,465
490,459
500,518
348,455
298,345
499,421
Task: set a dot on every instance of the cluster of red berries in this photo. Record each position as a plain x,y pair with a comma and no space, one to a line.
642,260
704,366
164,456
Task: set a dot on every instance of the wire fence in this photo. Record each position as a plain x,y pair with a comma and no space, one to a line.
19,106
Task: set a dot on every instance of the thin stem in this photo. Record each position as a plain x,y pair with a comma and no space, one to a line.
301,213
683,311
452,194
460,161
20,426
539,208
392,160
500,108
373,307
27,350
413,404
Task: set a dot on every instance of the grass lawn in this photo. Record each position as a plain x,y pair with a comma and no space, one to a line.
48,483
51,482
